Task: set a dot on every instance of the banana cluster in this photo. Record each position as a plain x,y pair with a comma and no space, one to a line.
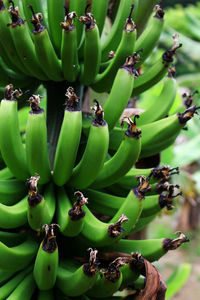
84,184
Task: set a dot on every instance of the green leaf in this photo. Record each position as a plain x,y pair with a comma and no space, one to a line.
177,280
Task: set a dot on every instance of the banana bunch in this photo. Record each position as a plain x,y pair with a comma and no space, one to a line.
70,193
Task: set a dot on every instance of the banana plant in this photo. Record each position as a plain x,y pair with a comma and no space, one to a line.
70,190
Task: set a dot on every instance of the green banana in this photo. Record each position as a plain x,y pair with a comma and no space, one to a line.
118,97
143,222
36,141
12,284
11,191
45,52
40,209
7,74
37,6
24,44
46,263
95,152
156,136
11,146
151,250
103,81
69,54
92,49
129,272
101,234
75,280
12,239
17,257
150,36
124,158
157,71
7,42
99,10
79,7
108,204
69,140
5,275
113,39
70,219
165,131
25,289
13,216
162,105
108,281
144,10
55,16
161,174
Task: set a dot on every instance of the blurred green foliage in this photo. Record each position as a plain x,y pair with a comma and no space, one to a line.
174,2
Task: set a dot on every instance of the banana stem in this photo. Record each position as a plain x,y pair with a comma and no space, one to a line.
55,110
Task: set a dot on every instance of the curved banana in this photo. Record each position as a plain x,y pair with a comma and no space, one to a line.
36,141
113,39
79,7
163,132
69,49
45,52
46,263
5,275
37,6
144,10
158,70
108,204
11,191
99,10
55,11
143,222
101,234
25,289
161,174
123,160
95,152
75,280
92,49
7,42
69,139
104,81
156,135
12,239
24,44
12,284
13,216
70,219
151,250
17,257
7,74
5,174
129,273
11,146
40,209
109,280
118,97
150,36
162,105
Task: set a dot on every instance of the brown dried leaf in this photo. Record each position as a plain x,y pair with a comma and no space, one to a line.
152,283
155,287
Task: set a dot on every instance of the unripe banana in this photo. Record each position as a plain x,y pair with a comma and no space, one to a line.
46,263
